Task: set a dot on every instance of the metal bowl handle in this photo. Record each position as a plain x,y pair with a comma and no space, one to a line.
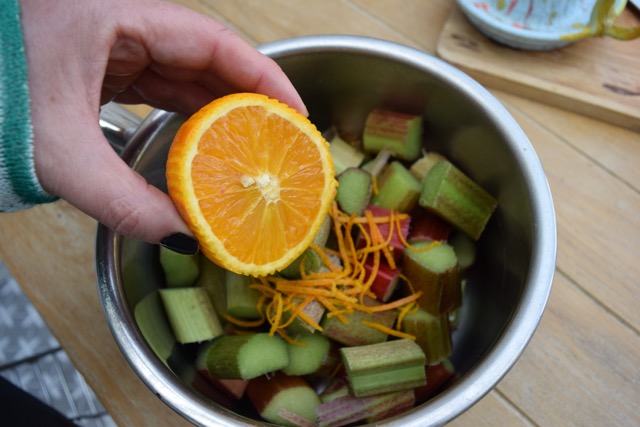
118,125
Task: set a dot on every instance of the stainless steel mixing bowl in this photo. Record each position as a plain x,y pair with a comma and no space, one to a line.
341,78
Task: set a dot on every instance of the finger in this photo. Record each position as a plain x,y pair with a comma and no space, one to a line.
99,183
157,91
183,39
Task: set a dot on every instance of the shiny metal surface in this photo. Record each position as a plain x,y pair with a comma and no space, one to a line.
341,78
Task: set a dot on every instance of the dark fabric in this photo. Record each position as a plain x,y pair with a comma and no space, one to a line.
18,408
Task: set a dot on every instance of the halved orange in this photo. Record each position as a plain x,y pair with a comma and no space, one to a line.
253,179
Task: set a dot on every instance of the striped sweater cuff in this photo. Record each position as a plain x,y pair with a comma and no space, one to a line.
19,186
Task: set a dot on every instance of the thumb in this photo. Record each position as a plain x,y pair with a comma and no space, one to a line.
91,176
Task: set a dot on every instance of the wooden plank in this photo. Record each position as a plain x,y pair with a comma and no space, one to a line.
599,78
581,367
615,149
492,410
597,220
266,21
51,255
418,20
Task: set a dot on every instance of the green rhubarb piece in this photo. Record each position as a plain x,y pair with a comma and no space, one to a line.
398,132
179,269
344,155
310,258
384,367
212,279
155,328
338,387
376,165
307,353
397,189
313,310
191,314
423,165
435,273
455,197
432,333
246,356
284,400
354,332
231,387
354,191
347,410
465,249
242,300
140,276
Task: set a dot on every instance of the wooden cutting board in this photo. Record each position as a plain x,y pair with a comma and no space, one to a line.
598,77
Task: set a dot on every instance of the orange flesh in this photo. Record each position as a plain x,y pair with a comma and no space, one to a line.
250,189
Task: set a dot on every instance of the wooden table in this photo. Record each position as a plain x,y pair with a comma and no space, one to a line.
581,368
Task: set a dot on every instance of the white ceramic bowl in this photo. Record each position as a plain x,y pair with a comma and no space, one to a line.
535,24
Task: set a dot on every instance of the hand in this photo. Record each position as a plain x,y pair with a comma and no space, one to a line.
84,53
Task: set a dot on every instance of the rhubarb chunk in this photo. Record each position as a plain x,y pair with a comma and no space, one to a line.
397,189
434,271
154,325
432,333
344,155
232,388
347,409
376,165
397,235
246,356
212,280
427,226
423,165
307,353
354,333
354,191
242,300
179,269
455,197
191,314
309,260
384,367
313,311
437,376
284,400
465,249
386,279
398,132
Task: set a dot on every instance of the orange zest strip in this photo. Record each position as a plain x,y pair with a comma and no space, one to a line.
341,287
342,218
243,323
407,309
325,259
332,308
296,311
396,304
410,246
388,330
309,321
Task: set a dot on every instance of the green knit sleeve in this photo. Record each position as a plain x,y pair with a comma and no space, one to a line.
19,186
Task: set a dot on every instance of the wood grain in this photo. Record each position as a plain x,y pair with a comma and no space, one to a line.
599,78
51,254
579,369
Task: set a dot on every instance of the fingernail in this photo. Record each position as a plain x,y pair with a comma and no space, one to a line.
180,243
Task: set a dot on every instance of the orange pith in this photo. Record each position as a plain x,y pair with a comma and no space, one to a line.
253,179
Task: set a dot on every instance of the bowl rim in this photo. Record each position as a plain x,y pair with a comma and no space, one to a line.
469,388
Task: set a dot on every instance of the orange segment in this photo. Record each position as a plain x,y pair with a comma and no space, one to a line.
253,179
